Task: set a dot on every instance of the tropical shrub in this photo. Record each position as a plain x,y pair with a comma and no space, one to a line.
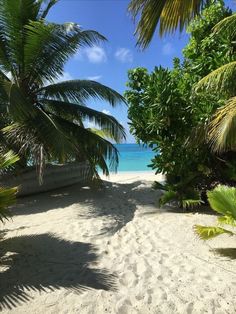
166,115
7,195
223,201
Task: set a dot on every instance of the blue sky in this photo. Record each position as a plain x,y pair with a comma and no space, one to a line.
109,62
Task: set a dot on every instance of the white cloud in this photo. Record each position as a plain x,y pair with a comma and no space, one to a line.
168,49
124,55
106,111
95,54
94,78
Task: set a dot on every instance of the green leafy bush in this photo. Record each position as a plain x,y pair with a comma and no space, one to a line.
168,116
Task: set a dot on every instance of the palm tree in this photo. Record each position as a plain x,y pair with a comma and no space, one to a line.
45,120
222,128
168,15
7,195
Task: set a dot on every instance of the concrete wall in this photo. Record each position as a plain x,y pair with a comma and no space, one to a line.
55,176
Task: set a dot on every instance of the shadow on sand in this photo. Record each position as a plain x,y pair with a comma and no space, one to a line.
44,262
116,201
229,253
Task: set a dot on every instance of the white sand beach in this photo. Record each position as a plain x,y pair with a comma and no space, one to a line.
78,250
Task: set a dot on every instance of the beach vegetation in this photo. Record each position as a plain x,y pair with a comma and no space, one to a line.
167,16
170,112
45,118
181,194
7,195
222,200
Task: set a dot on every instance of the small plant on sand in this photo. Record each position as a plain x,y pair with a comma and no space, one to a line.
180,193
7,195
222,200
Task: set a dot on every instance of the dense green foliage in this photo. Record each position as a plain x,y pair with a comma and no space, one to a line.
223,201
165,112
43,120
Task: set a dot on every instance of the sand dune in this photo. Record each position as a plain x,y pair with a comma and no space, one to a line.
78,250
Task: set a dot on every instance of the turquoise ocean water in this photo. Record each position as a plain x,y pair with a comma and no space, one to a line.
134,157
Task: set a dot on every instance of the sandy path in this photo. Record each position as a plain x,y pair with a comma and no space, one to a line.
81,251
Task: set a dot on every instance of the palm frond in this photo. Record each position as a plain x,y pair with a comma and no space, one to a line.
45,12
75,112
222,80
227,220
7,198
48,46
167,14
226,27
190,203
206,233
8,159
79,91
104,133
223,200
7,195
222,128
167,197
14,15
40,138
97,150
18,107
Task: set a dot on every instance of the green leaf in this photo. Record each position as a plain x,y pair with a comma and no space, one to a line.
190,203
167,15
223,200
8,159
79,91
158,186
167,197
206,233
227,220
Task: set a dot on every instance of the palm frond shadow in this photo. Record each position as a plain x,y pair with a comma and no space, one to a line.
229,253
127,197
46,263
98,203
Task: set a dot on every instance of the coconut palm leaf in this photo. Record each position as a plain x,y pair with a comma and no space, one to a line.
7,160
168,15
80,113
93,147
222,128
49,46
50,4
207,233
79,91
7,198
222,79
226,27
7,195
14,15
47,122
